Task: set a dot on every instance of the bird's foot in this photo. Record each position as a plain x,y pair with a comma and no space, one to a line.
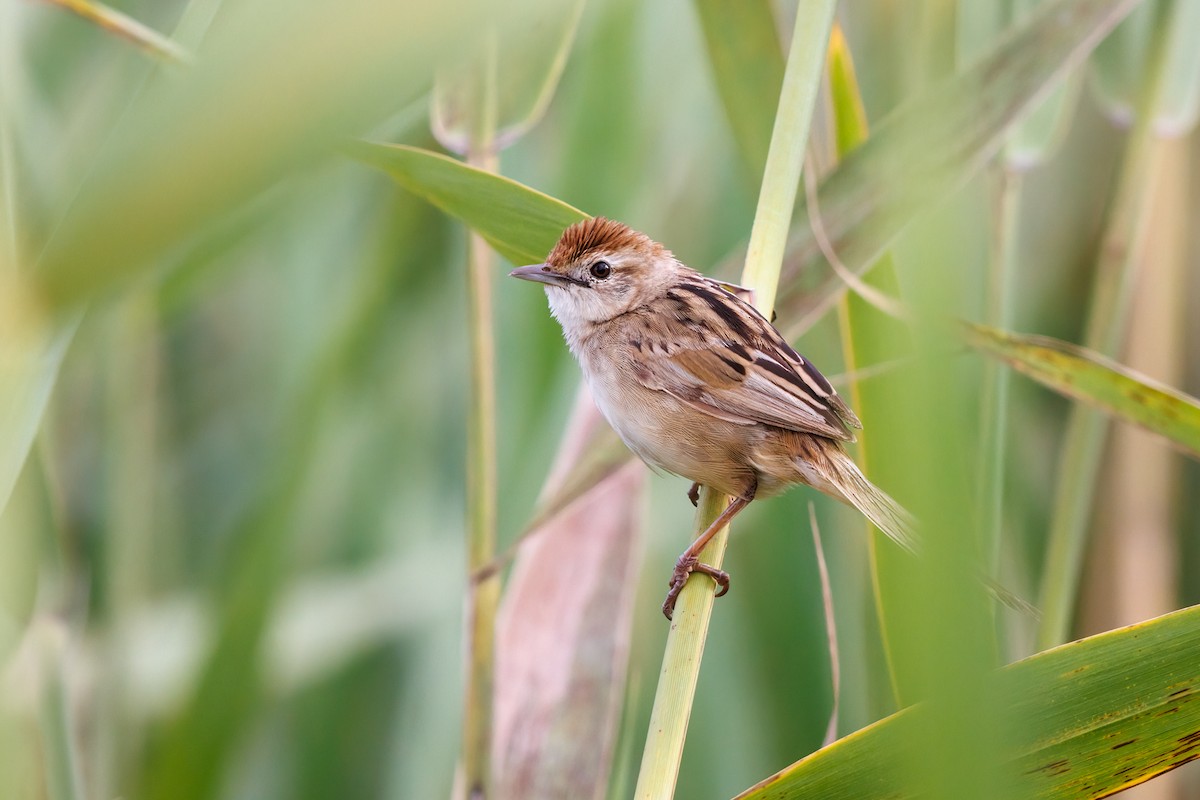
694,495
684,567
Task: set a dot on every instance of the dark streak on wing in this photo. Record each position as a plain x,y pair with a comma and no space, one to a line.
738,350
749,340
721,307
786,374
782,359
816,375
736,366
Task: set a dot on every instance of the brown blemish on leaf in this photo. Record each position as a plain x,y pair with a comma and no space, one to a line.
1053,768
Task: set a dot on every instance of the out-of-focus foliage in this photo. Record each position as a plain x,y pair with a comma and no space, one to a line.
233,379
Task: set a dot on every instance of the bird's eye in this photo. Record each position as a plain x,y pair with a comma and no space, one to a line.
601,270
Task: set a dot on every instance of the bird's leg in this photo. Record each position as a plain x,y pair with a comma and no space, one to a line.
694,495
689,560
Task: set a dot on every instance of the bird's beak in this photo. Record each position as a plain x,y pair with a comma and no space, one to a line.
539,273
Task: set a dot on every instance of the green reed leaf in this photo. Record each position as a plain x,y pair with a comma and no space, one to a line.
126,27
1088,376
520,222
927,149
747,63
1126,707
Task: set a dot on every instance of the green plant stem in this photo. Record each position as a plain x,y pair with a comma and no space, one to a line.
681,665
113,21
870,337
785,159
61,759
1001,289
484,596
1120,251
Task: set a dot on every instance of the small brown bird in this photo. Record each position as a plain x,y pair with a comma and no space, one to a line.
698,383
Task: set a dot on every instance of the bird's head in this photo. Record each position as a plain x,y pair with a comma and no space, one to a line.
601,269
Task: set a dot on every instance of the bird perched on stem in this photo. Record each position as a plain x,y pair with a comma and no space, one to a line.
698,383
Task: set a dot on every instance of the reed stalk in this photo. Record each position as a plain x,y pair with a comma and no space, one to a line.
768,238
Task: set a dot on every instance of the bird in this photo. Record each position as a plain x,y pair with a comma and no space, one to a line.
698,383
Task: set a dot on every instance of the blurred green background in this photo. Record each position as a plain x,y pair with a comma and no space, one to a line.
258,425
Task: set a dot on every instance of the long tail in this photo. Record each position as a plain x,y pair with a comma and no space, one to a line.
892,518
852,487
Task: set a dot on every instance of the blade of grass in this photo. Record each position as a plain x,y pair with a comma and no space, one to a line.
872,337
999,301
927,149
483,597
62,761
470,110
768,238
147,39
789,138
835,665
1088,376
1038,135
521,223
522,120
747,62
30,356
1179,100
1118,67
1120,254
1126,708
1027,145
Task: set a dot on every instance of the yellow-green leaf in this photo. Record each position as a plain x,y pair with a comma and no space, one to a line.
1179,101
113,21
747,63
1096,716
1086,375
521,223
931,146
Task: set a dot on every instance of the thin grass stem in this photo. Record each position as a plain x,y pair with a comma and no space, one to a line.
1001,289
768,238
483,596
1121,250
58,741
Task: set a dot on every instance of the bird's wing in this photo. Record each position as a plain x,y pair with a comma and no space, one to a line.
750,376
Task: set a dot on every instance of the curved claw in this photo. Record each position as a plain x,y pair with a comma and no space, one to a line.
718,575
684,567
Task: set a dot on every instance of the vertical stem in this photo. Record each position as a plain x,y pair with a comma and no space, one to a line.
1001,288
681,666
777,198
484,596
871,337
62,760
9,224
785,159
1083,445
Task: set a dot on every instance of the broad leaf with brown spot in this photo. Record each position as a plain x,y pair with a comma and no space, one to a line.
1096,716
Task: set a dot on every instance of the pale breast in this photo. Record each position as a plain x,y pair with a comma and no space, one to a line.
668,434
